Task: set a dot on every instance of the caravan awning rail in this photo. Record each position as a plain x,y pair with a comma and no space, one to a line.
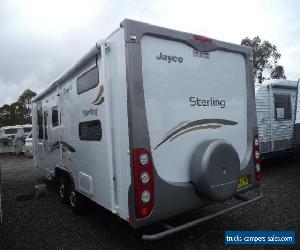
71,70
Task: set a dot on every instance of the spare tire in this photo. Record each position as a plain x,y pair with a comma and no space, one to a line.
215,170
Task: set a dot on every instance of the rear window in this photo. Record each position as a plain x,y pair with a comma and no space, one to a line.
283,109
88,80
90,130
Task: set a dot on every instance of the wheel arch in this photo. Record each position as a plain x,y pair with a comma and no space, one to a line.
59,171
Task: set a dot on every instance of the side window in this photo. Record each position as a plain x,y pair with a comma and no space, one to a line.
90,130
88,80
283,110
54,116
40,121
11,131
45,124
26,130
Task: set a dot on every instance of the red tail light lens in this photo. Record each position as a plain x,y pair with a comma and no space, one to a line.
202,39
257,167
143,182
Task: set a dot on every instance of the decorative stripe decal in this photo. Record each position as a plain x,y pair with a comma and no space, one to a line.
100,93
206,126
65,147
195,125
101,100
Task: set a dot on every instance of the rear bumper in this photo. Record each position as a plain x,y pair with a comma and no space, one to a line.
172,230
173,200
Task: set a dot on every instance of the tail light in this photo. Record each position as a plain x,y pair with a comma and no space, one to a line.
257,167
143,182
202,39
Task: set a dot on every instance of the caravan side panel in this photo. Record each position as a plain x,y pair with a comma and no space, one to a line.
275,108
296,142
263,118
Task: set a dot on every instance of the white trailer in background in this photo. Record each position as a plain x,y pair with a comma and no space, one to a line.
149,124
12,138
297,123
275,109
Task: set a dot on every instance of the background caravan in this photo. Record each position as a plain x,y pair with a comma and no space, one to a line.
12,138
296,138
144,126
275,109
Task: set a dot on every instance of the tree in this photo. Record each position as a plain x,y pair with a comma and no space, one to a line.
18,112
278,72
24,101
265,58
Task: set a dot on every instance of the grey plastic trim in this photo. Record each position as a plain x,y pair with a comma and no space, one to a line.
172,230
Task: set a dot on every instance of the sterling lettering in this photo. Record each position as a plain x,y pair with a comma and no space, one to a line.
207,102
169,59
91,111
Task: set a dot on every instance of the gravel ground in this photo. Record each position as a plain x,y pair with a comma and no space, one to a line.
45,223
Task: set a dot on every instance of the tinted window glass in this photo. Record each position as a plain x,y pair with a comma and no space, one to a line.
40,121
11,131
88,80
27,130
55,116
45,124
282,107
90,130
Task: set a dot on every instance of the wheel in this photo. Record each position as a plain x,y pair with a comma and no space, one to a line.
63,189
77,200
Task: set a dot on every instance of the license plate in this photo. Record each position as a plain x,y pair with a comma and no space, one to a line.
244,181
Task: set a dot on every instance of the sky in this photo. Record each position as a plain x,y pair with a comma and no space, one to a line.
40,39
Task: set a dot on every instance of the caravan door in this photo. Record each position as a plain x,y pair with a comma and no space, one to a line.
42,136
284,99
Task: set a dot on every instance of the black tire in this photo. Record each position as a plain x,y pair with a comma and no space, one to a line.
63,189
77,201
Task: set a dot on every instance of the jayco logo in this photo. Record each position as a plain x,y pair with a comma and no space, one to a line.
169,59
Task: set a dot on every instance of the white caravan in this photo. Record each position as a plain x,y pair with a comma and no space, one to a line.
12,138
149,124
15,131
275,109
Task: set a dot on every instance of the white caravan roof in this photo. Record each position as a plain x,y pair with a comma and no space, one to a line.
277,83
